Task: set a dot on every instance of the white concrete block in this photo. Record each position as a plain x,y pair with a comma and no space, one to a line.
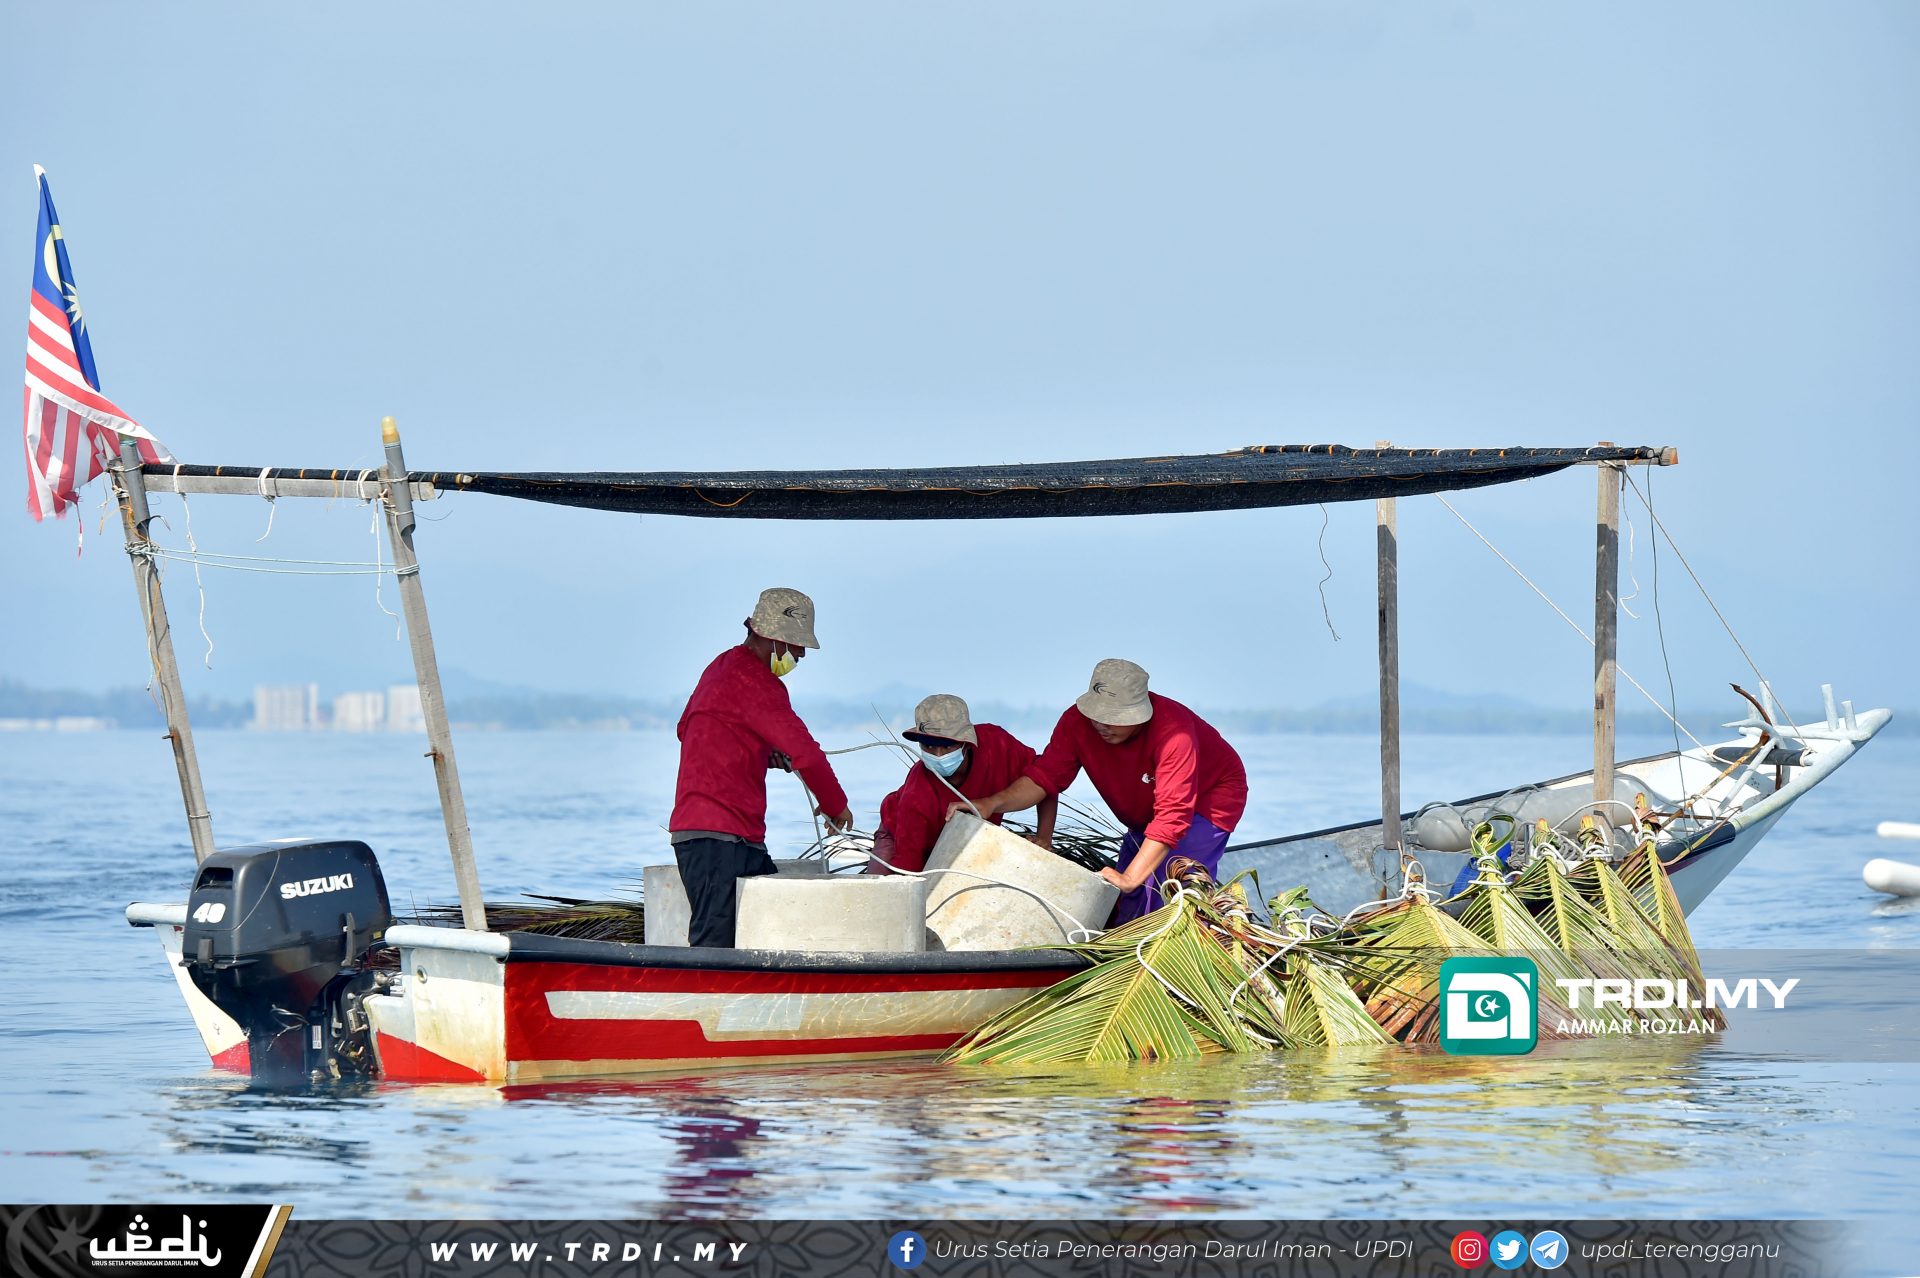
841,913
968,907
668,914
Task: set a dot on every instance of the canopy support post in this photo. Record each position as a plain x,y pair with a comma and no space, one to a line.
1387,539
1606,632
398,495
135,517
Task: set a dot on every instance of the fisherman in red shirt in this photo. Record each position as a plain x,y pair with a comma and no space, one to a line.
738,723
1169,776
958,759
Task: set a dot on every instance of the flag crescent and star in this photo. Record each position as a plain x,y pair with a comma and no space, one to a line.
72,432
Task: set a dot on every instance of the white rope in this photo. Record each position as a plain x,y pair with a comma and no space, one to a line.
1638,686
1628,516
193,548
215,558
378,503
1708,596
202,560
272,499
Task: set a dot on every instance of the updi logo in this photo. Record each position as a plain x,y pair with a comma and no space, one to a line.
1489,1006
906,1249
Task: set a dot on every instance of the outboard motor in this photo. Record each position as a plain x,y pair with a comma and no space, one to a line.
277,935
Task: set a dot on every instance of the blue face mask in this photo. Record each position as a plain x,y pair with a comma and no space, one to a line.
944,765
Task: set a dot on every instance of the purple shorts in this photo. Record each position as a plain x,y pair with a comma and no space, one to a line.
1204,842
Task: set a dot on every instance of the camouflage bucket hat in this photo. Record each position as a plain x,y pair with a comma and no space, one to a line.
942,717
1117,694
784,615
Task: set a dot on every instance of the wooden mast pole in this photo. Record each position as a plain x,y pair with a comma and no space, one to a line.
426,669
135,517
1606,632
1387,539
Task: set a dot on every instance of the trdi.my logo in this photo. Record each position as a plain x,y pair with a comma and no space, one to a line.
1489,1006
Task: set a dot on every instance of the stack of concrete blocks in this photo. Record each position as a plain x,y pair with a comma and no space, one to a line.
983,889
993,890
801,907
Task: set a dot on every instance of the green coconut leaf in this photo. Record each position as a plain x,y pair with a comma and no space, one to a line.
1393,959
1126,1007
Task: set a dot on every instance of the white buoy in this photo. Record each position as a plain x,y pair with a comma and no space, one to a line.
1895,878
1898,830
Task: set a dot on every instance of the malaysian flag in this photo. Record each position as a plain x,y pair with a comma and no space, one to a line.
73,431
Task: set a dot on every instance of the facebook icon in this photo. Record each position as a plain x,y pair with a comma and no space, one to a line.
906,1249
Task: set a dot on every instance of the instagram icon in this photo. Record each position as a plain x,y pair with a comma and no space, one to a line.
1469,1249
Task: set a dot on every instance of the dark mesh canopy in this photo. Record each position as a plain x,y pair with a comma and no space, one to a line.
1268,475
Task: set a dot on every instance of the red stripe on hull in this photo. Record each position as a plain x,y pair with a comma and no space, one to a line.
235,1058
401,1059
534,1033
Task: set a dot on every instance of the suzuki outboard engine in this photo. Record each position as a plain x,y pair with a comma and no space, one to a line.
277,936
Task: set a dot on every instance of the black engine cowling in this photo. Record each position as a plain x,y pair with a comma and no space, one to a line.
277,936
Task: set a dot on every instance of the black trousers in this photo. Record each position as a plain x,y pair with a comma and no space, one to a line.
711,870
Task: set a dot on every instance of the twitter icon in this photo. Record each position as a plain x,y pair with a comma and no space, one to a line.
1509,1249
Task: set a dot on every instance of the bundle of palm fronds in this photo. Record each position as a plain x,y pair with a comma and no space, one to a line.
1204,975
1199,976
1088,846
619,920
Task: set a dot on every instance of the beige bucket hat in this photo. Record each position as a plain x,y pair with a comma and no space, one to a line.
1117,694
784,615
942,717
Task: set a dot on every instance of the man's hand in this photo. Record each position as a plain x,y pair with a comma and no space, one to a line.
1118,879
1041,840
986,807
777,760
839,823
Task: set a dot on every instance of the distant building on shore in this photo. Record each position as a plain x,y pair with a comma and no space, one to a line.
60,723
286,707
403,709
359,712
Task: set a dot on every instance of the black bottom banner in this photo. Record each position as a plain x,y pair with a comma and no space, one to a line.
261,1242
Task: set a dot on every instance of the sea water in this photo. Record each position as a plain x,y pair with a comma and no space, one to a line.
108,1095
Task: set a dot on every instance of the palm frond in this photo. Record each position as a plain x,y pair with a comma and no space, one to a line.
1158,992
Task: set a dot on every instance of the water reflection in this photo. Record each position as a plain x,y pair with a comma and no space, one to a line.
1352,1131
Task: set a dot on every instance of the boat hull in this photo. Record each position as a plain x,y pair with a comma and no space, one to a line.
519,1008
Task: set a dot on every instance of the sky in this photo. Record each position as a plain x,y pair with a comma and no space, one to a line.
706,237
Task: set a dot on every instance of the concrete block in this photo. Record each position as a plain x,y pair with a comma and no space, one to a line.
668,914
969,909
841,913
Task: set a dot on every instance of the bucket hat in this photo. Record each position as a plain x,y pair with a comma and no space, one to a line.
942,717
784,615
1117,694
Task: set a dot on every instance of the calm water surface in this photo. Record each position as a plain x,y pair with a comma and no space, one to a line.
109,1096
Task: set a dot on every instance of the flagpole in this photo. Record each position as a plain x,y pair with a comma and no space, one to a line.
426,669
166,670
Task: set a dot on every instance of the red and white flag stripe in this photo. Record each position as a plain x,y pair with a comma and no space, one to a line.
72,430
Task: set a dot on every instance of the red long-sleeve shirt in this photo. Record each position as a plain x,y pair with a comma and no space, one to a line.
1176,765
915,813
738,715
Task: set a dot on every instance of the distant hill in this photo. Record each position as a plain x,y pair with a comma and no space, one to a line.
485,704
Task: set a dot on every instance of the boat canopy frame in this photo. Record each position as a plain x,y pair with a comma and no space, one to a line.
1249,478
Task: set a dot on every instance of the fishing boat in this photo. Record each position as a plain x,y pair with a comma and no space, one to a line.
292,965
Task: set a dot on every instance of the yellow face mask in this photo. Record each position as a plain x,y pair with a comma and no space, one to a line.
782,664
